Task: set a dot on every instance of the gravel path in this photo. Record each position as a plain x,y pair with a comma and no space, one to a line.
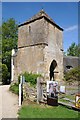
8,103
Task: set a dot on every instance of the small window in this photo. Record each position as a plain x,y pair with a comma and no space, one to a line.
69,67
29,29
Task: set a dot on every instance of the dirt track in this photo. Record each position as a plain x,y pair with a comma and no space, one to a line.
8,103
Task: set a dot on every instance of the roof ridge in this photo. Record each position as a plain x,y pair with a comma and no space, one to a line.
39,15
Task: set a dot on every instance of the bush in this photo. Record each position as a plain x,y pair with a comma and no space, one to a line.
15,88
5,74
30,77
73,74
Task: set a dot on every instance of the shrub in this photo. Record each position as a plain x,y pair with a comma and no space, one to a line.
30,77
5,74
15,88
73,74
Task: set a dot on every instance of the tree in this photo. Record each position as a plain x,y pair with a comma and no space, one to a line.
9,41
73,50
5,73
0,53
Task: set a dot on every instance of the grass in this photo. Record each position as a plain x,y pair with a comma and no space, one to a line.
65,101
14,88
72,97
36,111
72,88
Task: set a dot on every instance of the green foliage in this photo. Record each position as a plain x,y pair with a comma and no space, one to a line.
30,77
73,74
44,111
9,41
15,88
0,39
74,50
5,73
0,54
0,71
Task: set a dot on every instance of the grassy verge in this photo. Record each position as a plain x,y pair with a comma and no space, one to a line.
72,97
36,111
14,88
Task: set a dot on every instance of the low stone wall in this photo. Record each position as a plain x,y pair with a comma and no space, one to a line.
35,93
29,92
38,93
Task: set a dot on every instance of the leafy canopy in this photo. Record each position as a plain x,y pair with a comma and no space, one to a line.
73,50
9,41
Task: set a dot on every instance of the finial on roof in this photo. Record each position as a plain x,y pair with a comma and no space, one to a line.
42,9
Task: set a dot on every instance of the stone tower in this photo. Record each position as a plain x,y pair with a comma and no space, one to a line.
40,47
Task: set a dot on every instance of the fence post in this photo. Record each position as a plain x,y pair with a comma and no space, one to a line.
20,94
39,90
20,91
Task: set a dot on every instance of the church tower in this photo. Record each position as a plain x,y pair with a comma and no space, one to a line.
40,47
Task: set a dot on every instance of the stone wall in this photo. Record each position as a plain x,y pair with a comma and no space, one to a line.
39,43
53,51
37,93
31,34
29,92
30,59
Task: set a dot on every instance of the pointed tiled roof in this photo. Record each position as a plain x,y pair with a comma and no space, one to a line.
40,15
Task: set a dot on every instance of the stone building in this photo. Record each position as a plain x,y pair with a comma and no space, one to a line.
40,48
70,62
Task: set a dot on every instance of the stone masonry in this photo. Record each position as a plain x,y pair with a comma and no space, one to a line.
39,43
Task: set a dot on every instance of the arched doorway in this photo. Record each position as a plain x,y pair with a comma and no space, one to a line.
52,68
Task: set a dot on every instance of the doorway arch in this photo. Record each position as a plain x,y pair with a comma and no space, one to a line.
53,65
